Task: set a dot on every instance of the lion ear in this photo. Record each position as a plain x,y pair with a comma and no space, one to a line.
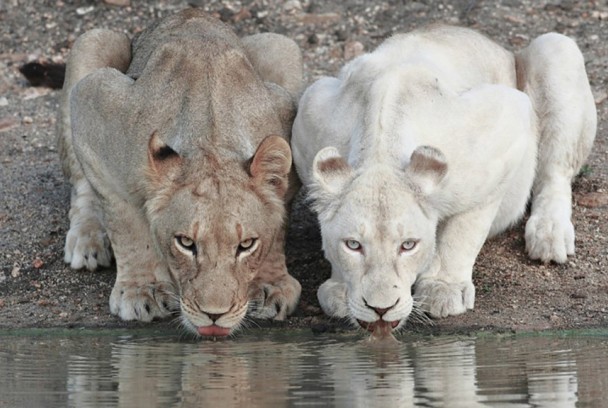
426,169
271,164
330,174
163,161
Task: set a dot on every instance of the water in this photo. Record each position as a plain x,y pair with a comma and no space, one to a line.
98,369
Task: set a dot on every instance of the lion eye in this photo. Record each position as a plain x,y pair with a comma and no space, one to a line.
246,245
186,243
408,245
353,245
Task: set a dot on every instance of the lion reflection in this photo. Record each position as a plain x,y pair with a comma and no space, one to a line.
328,371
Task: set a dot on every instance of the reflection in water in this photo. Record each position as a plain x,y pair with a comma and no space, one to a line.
268,371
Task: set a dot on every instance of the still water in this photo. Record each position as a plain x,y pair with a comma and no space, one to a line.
98,369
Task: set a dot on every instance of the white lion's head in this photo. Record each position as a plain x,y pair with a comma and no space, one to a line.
378,225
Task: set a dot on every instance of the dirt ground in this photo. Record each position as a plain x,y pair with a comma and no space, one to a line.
513,293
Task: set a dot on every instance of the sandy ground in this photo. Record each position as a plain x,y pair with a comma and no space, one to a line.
513,293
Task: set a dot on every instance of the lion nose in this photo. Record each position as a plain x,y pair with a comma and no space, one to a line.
380,310
215,316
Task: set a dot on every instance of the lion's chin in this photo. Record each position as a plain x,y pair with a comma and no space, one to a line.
213,331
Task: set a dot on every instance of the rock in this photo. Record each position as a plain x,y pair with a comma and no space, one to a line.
314,19
3,101
600,97
8,123
81,11
292,6
15,272
593,200
353,49
120,3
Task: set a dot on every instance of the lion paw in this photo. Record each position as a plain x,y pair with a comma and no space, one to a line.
549,238
131,301
275,300
441,299
87,245
333,298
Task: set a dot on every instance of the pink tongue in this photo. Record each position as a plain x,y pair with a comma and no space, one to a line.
214,331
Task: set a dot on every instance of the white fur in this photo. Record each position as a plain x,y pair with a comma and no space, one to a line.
428,138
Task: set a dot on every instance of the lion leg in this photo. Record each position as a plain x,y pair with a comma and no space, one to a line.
274,292
87,244
143,289
276,59
447,287
551,71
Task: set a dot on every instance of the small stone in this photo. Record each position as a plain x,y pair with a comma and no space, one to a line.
292,6
63,314
16,272
38,263
120,3
593,200
81,11
1,303
8,123
27,120
35,92
600,15
353,49
600,97
243,14
314,19
3,101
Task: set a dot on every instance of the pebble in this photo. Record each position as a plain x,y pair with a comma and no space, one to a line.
3,101
600,97
81,11
292,6
353,49
1,303
27,120
38,263
7,124
120,3
593,200
15,272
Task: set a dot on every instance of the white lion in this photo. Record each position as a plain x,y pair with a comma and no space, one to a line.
422,149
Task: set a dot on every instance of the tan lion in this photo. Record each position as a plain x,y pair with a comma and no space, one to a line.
176,146
422,149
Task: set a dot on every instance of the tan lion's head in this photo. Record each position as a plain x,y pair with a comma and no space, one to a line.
214,220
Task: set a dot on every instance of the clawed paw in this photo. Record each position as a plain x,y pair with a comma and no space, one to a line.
441,299
333,298
87,246
131,301
275,300
549,238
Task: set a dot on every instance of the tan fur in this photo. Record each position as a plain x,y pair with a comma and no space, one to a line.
179,152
